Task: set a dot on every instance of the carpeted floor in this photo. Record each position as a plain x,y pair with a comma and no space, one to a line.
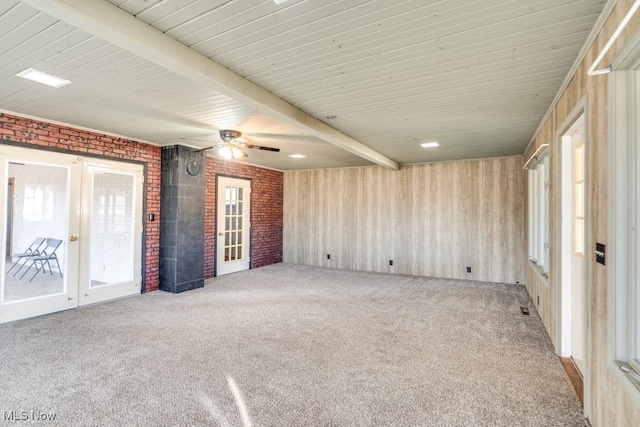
291,345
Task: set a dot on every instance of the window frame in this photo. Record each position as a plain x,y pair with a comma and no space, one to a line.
624,212
539,167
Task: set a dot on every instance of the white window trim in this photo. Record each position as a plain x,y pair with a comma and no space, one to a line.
539,206
624,212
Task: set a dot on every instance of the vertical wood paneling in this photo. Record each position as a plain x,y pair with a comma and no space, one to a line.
432,219
609,401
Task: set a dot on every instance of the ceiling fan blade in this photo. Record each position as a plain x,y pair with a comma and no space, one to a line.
260,147
242,152
233,142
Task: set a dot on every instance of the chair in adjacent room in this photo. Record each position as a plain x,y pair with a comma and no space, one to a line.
32,250
46,256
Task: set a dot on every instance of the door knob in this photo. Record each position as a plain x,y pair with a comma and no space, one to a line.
73,238
221,234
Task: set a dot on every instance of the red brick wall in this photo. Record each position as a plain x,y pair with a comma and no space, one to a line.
46,135
266,212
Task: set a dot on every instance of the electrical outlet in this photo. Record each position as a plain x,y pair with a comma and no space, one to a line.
468,269
390,262
328,256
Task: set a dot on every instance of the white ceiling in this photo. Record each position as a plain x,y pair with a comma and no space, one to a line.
477,76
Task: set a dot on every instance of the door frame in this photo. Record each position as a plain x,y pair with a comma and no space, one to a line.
564,246
220,215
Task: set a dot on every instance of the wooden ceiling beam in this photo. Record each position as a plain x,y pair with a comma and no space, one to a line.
116,26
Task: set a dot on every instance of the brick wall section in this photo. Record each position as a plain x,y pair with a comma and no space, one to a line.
47,135
266,212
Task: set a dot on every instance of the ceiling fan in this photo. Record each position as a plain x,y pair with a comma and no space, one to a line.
232,148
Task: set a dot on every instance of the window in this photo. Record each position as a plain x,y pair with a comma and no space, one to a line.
33,207
538,166
624,205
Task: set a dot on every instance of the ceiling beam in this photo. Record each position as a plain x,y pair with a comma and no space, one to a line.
116,26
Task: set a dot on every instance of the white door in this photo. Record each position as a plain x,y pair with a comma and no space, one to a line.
54,202
111,229
573,261
233,225
578,273
46,191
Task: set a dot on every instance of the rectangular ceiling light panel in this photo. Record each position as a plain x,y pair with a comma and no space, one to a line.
430,144
42,77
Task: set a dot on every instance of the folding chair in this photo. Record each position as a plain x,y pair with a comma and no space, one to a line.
48,254
33,249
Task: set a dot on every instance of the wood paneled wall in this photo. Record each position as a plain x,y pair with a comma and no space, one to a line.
609,401
431,220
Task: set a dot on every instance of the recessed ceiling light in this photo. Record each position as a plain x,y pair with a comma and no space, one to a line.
280,1
44,78
430,144
331,117
297,156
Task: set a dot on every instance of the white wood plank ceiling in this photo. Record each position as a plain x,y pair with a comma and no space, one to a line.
347,83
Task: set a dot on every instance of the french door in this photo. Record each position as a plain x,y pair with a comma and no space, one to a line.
233,225
73,231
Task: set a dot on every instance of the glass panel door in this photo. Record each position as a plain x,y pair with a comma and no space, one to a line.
37,249
234,197
111,231
72,234
573,244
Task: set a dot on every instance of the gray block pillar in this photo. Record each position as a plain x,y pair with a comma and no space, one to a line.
182,208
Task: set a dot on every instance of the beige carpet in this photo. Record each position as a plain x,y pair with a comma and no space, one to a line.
292,345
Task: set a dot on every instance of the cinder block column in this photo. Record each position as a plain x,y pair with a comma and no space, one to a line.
182,205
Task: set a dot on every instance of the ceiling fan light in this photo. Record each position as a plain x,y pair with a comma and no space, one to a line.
237,153
226,152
